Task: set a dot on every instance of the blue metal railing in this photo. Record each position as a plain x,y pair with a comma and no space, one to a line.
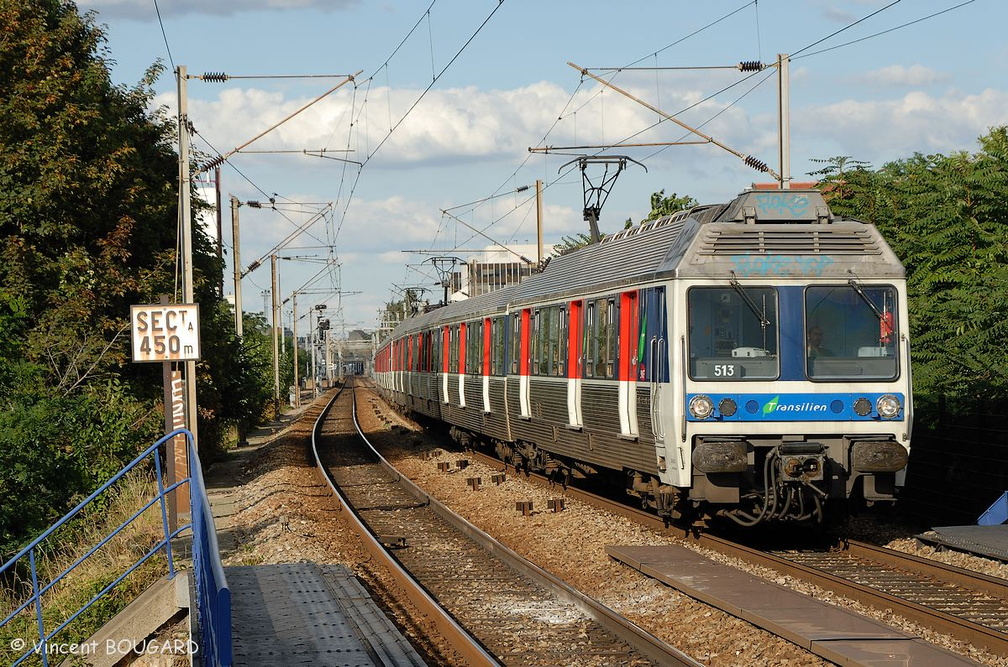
213,596
997,513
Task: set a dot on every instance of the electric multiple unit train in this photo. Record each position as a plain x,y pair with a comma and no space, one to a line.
747,360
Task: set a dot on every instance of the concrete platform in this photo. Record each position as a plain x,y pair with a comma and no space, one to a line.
297,613
836,634
309,614
989,541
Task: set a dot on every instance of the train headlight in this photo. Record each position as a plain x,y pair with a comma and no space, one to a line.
862,407
727,407
701,407
888,406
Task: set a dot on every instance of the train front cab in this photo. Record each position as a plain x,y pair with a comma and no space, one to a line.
777,424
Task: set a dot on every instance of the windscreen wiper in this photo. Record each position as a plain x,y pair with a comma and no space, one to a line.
761,315
856,286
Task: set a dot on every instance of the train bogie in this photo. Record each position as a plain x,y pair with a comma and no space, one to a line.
747,360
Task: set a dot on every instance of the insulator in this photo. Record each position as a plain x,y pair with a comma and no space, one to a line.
757,164
253,204
215,77
216,162
750,66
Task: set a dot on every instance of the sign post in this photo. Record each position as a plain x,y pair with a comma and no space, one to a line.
169,333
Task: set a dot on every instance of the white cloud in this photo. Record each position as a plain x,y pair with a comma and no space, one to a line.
447,125
898,75
459,144
879,131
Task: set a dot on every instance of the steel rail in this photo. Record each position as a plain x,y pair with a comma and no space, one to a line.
468,648
966,630
993,586
937,620
650,646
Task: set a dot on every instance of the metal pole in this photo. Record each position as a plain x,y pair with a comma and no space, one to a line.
539,220
784,115
297,385
185,229
314,371
328,356
220,228
747,159
276,333
239,325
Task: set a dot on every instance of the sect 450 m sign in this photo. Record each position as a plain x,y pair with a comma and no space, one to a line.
165,332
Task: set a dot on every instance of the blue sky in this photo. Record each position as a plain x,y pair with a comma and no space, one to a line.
462,145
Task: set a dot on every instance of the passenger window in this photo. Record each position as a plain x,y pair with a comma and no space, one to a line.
733,333
851,332
601,339
515,343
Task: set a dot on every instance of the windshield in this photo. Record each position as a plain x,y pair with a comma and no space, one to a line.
733,333
850,332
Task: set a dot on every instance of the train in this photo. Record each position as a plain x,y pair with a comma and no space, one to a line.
745,361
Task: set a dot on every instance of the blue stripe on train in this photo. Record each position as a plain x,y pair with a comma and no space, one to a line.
794,407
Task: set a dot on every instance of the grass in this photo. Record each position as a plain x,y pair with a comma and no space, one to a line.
74,590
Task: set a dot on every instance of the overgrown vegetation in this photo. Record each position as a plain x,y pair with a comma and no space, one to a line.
64,547
946,217
88,220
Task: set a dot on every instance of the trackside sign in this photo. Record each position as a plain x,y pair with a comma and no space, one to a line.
165,332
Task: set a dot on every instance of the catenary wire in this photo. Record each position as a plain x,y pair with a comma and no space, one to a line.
164,35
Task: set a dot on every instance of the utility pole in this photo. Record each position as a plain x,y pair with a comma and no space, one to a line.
297,385
316,337
220,223
185,224
181,456
311,351
784,116
276,333
237,267
339,355
539,220
326,337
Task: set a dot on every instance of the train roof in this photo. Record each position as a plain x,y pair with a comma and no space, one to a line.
759,234
496,301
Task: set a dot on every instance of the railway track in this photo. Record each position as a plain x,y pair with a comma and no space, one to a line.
969,606
498,608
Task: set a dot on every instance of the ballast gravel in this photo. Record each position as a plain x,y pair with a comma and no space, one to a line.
283,512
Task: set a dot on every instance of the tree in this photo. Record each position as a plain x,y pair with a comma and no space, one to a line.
662,205
88,220
947,219
86,195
